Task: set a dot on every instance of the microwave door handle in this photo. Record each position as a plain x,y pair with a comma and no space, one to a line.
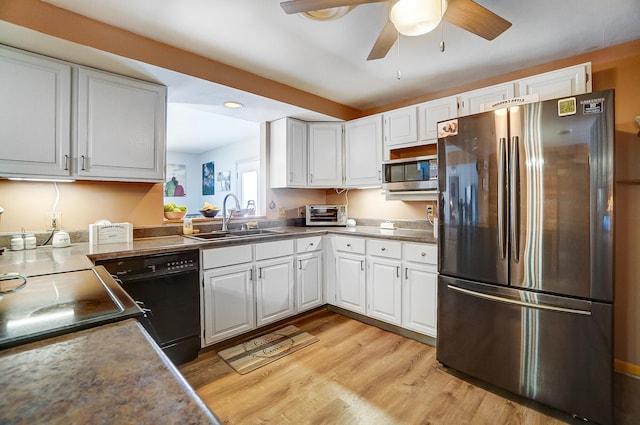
502,219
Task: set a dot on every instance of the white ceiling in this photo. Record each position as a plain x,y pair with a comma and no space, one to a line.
329,58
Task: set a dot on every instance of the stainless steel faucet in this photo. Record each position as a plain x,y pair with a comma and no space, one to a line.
225,219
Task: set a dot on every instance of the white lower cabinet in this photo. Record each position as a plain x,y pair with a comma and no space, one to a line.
228,301
420,288
399,286
309,273
384,286
274,290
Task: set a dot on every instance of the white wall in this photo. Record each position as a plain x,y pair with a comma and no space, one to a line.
224,158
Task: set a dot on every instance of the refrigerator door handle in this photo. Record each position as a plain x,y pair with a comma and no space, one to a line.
515,198
502,164
519,303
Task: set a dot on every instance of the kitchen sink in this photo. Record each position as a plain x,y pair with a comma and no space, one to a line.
232,234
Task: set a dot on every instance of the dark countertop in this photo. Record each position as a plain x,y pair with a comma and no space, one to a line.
110,374
82,255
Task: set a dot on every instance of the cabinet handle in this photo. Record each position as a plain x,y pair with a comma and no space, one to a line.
348,245
82,166
362,265
259,272
251,274
66,163
383,249
406,273
379,175
300,264
397,271
311,243
423,254
311,177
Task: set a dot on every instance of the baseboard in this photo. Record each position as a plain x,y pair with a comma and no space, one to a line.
625,367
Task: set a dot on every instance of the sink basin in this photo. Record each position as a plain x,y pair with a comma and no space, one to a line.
232,234
252,232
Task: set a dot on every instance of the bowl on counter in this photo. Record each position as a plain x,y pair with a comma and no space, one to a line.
209,213
174,215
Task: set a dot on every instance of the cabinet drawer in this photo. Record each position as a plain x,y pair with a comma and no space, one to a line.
313,243
274,249
384,248
354,245
219,257
421,253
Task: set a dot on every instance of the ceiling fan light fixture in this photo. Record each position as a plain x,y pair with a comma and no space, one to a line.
417,17
327,14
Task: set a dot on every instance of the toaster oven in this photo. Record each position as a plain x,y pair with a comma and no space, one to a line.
326,215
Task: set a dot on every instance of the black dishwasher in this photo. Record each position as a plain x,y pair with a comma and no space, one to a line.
167,285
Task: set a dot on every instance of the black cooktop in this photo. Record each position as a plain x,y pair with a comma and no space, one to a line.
58,303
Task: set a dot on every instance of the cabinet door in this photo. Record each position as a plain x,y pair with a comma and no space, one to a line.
363,151
228,302
287,153
35,115
471,102
420,299
560,83
121,128
400,127
309,281
325,154
274,290
429,113
384,289
350,282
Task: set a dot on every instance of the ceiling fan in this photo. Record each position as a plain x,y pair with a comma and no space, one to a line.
415,17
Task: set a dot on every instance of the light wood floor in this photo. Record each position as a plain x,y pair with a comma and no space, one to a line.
355,374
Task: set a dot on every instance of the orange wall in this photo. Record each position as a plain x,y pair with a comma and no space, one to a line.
27,204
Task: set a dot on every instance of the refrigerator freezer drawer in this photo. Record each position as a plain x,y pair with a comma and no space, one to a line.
558,352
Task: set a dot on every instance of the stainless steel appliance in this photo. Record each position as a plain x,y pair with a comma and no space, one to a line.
420,173
168,286
38,307
326,215
526,251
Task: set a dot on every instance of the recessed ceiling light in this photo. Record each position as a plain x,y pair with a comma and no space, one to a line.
233,105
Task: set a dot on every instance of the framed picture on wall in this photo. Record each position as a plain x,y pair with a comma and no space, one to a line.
176,180
208,179
224,181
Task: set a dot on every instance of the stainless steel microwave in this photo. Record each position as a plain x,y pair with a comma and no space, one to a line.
420,173
326,215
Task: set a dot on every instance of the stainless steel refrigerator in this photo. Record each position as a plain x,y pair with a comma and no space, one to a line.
525,291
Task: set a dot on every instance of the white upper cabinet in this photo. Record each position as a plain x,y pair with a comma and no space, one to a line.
35,112
563,82
288,153
471,102
400,127
325,154
121,126
429,113
363,151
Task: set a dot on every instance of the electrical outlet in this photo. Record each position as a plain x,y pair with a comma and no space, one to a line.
429,211
54,221
301,211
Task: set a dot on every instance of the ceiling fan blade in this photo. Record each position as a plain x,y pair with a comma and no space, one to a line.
386,39
476,19
298,6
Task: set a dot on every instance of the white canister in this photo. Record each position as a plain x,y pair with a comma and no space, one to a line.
17,243
30,241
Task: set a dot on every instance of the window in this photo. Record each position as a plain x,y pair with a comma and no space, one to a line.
248,183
